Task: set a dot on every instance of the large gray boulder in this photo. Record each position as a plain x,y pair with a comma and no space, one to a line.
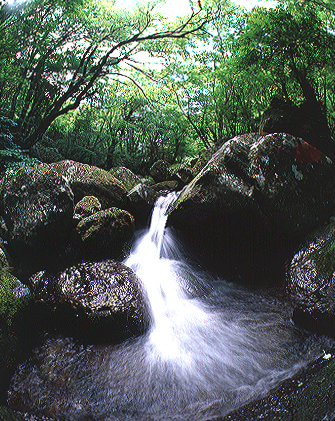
254,200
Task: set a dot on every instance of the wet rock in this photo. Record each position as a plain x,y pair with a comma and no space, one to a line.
293,182
142,199
105,233
159,170
254,200
95,302
127,177
311,282
37,206
309,395
87,180
181,173
201,161
165,186
87,206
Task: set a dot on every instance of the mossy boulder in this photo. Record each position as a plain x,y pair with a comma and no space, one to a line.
105,234
165,186
88,180
87,206
311,281
45,153
37,206
96,302
127,177
181,173
159,170
253,202
201,161
141,200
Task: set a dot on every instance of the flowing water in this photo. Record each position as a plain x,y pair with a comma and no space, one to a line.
211,347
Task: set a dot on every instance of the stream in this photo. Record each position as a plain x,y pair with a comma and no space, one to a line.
212,347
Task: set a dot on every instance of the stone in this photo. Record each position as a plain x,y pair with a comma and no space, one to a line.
311,281
127,177
159,170
105,233
87,206
37,206
252,203
87,180
100,302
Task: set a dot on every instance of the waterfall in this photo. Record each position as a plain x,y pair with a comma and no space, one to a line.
173,313
212,346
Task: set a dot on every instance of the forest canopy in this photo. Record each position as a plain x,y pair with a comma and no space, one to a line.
110,87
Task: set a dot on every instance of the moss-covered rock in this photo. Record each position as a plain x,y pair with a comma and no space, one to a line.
37,206
87,206
105,234
181,173
127,178
88,180
165,186
159,170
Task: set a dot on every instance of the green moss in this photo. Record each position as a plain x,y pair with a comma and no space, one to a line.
317,397
9,303
324,256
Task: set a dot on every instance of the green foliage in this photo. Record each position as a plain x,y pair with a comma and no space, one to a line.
58,54
10,304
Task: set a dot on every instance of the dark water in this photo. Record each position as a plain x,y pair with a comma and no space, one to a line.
212,347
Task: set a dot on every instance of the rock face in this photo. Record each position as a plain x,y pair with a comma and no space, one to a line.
37,206
42,205
87,180
311,282
255,198
99,302
104,233
127,177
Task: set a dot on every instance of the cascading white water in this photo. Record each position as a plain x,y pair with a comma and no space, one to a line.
211,347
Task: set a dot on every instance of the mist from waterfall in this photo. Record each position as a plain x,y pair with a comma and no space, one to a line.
212,346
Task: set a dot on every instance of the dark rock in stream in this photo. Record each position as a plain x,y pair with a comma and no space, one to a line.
103,234
100,302
41,207
37,206
311,281
308,396
252,203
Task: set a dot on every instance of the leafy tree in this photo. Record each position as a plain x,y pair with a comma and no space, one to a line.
62,50
295,48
